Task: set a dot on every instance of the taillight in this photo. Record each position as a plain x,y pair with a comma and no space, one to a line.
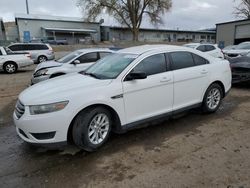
28,56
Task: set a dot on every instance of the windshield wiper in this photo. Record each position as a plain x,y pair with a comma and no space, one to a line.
92,75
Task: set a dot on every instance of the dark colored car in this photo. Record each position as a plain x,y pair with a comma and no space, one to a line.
240,68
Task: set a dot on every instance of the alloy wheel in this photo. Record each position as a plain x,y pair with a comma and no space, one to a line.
98,128
213,98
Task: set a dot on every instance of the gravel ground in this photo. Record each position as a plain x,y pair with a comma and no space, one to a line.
193,150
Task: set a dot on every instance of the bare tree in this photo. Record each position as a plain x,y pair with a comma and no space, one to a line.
127,12
243,9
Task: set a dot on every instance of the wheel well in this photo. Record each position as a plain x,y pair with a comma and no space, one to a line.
222,86
10,62
115,119
56,74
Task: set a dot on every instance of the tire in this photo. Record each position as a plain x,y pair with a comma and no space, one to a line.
41,59
212,99
10,67
89,135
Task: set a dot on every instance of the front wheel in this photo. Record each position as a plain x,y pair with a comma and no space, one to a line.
91,128
212,99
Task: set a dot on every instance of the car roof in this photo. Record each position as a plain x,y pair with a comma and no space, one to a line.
88,50
138,50
28,43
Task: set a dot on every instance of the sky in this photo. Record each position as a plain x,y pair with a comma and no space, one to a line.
185,14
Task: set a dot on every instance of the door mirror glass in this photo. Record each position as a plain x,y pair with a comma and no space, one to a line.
136,76
76,62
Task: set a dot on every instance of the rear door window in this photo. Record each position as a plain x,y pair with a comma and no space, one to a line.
202,48
209,48
181,60
154,64
198,60
88,58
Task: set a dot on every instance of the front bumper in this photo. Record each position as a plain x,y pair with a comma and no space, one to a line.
44,128
240,77
35,80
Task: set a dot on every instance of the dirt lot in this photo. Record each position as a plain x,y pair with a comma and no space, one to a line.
194,150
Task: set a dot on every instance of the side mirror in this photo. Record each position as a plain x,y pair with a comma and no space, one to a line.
136,76
76,62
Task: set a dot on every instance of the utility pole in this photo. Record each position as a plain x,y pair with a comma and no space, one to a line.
27,7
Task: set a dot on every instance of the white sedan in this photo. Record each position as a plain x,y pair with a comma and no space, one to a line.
121,92
210,49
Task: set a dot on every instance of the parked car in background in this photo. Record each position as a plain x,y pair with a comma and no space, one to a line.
239,50
230,47
39,52
211,49
55,41
240,68
76,61
120,92
10,62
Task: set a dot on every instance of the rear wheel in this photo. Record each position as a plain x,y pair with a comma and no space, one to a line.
212,99
10,67
41,59
92,128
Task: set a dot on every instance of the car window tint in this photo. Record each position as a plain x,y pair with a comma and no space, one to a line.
181,60
88,58
199,60
103,54
16,48
202,48
40,47
209,48
152,65
1,52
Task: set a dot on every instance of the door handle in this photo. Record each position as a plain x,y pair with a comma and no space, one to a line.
165,79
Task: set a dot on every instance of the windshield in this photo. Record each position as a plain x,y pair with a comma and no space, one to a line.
110,66
190,46
243,46
69,57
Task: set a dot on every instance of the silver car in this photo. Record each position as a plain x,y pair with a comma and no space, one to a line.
76,61
39,52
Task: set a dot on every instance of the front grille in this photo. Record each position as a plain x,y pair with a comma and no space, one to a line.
20,109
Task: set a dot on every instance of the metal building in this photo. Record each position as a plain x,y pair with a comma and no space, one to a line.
74,30
157,35
233,33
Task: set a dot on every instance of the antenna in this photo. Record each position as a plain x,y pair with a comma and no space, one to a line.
27,7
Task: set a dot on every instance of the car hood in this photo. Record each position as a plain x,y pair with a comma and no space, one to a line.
48,64
60,89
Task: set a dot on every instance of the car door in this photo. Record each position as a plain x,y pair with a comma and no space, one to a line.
191,74
86,60
152,96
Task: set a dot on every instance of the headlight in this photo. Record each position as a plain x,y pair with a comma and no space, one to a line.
41,72
47,108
